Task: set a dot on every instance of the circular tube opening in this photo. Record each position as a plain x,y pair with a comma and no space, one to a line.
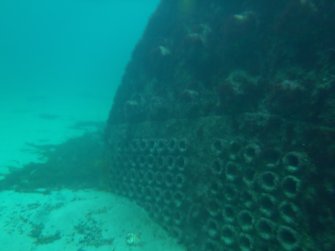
228,234
210,245
287,237
294,161
288,211
212,228
267,204
161,145
169,179
268,181
230,192
180,163
251,152
178,198
247,198
180,180
214,208
217,167
291,186
182,145
232,171
217,146
265,228
248,176
246,243
172,145
245,220
228,213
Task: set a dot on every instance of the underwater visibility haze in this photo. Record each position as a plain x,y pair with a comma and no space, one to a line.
71,46
61,61
198,125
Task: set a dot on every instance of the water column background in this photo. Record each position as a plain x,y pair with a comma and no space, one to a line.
60,62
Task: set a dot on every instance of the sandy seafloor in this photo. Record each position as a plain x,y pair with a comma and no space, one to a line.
76,220
82,220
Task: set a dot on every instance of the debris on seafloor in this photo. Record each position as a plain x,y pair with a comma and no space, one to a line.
133,239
